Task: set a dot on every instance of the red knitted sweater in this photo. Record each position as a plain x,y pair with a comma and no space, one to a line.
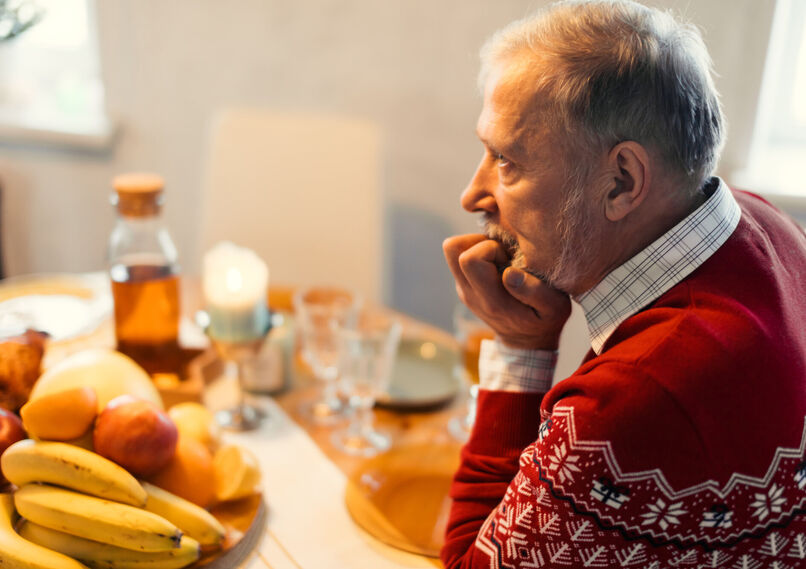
681,445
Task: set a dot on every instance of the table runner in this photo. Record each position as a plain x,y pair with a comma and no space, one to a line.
308,523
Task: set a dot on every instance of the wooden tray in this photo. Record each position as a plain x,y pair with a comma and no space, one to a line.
245,521
401,497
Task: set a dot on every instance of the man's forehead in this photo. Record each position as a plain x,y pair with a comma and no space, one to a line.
511,105
518,73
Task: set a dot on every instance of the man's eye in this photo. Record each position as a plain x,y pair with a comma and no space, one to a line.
502,161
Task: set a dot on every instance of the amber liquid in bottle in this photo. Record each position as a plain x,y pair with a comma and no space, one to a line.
146,299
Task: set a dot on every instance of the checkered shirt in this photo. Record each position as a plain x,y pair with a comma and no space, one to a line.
502,368
656,269
623,292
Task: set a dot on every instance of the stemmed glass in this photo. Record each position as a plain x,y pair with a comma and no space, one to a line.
239,358
319,313
469,331
367,353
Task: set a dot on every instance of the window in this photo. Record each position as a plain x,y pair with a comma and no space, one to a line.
50,81
777,161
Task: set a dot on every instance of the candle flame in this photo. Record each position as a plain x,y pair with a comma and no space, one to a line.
234,279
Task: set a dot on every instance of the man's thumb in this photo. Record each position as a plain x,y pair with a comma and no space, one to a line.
520,284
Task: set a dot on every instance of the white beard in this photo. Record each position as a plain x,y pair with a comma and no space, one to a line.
577,234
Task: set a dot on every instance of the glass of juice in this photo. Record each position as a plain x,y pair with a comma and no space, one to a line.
469,331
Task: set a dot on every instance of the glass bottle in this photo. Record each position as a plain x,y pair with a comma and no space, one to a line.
144,272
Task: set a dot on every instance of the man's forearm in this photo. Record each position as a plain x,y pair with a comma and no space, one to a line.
507,420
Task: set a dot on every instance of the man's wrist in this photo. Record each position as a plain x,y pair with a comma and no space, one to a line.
507,368
550,343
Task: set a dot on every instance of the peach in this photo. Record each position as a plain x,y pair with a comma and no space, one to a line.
61,416
11,431
136,434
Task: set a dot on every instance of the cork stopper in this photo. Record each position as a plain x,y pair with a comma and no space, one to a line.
138,194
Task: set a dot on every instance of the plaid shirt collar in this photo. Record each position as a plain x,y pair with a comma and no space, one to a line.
656,269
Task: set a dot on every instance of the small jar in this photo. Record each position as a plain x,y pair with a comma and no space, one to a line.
144,270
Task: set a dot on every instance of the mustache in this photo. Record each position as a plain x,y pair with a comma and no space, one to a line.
497,233
494,231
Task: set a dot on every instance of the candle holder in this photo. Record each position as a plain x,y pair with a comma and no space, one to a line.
239,356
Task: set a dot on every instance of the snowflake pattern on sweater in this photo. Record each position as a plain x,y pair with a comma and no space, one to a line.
571,505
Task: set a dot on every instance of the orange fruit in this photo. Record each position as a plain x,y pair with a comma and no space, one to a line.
237,472
189,474
60,416
197,422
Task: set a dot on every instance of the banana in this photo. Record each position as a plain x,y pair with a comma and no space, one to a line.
193,520
72,467
103,555
96,519
19,553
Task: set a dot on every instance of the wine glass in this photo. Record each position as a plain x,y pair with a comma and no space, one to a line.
367,353
469,331
239,359
239,355
320,312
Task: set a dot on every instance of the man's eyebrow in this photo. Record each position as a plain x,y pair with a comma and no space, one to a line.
514,149
489,144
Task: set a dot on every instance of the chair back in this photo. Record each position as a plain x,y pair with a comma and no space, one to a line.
303,191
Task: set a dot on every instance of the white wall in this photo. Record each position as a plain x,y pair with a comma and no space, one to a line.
409,65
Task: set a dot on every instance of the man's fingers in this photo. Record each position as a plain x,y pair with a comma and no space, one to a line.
453,247
480,263
480,266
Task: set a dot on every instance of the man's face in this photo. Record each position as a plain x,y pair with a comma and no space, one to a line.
545,220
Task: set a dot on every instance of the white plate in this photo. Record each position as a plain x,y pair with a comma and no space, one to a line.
423,375
63,305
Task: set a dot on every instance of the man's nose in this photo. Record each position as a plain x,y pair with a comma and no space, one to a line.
478,195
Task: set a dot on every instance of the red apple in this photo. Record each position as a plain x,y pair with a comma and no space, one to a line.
11,431
136,434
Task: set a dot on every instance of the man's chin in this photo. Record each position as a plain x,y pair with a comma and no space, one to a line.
519,263
554,282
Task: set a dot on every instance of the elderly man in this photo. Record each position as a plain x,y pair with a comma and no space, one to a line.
680,439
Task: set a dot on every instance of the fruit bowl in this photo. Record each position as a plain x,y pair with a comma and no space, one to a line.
96,497
245,521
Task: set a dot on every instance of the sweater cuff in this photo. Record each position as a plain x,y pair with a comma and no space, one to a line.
502,368
506,422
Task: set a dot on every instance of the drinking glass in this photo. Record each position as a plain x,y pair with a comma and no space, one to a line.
469,331
239,359
367,353
320,312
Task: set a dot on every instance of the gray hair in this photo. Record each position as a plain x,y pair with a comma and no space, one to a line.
616,70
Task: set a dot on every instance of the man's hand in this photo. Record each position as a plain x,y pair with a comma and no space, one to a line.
523,311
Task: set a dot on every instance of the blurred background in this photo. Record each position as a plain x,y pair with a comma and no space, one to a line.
96,88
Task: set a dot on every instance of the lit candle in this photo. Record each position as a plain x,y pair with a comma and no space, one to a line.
235,283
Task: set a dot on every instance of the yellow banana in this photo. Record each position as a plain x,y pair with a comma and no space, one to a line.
19,553
103,555
193,520
96,519
72,467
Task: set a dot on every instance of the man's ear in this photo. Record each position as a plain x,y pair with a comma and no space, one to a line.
630,169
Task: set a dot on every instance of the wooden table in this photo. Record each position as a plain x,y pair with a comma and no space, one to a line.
408,428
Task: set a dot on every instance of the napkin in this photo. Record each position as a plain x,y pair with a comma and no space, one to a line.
308,523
